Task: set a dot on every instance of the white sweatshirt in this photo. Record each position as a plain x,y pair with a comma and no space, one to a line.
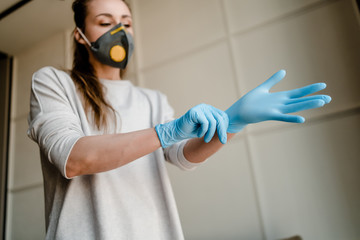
134,201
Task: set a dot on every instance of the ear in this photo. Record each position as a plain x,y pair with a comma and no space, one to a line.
78,37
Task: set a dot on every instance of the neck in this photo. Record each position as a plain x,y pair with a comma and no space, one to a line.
105,71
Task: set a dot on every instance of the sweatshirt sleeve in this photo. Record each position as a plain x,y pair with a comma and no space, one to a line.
53,122
175,153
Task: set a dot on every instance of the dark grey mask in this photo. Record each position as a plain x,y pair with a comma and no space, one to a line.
113,48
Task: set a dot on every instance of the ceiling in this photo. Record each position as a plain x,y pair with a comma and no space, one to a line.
33,22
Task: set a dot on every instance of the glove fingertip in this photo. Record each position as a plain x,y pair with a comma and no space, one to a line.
327,99
321,103
200,134
301,119
294,119
207,139
223,140
223,133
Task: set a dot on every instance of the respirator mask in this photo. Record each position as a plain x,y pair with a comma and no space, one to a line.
113,48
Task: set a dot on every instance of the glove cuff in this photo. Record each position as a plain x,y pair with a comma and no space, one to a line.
235,128
162,135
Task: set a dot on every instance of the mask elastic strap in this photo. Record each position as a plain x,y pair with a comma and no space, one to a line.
83,36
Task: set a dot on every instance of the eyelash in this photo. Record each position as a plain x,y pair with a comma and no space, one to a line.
108,24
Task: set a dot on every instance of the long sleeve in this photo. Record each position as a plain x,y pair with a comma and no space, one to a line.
53,121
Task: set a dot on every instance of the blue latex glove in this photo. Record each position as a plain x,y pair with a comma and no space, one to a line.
260,105
201,120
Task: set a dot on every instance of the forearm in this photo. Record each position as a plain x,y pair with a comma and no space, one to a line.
94,154
196,150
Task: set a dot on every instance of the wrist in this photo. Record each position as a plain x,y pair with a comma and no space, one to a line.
235,124
161,133
235,128
168,133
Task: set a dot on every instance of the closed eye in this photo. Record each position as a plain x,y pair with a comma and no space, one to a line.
105,24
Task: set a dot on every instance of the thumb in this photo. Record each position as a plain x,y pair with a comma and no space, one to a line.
273,80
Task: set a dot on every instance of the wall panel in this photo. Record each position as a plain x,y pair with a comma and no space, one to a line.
27,214
244,15
202,77
170,28
309,179
321,45
218,199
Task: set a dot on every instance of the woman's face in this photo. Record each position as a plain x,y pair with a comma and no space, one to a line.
102,15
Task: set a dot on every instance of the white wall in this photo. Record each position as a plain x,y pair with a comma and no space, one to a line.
272,181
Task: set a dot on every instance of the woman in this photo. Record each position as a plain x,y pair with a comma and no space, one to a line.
103,141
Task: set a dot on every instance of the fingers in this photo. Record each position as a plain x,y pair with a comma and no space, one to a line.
222,126
209,120
289,118
301,106
204,124
301,92
218,120
325,98
274,79
212,126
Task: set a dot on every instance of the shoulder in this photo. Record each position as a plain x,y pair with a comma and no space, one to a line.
50,72
51,77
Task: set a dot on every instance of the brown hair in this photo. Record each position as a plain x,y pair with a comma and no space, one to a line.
83,73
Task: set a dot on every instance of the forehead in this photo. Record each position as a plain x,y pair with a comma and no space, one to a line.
116,8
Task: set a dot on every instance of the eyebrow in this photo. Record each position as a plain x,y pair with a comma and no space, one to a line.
110,15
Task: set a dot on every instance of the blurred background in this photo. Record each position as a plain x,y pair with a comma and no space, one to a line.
273,180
